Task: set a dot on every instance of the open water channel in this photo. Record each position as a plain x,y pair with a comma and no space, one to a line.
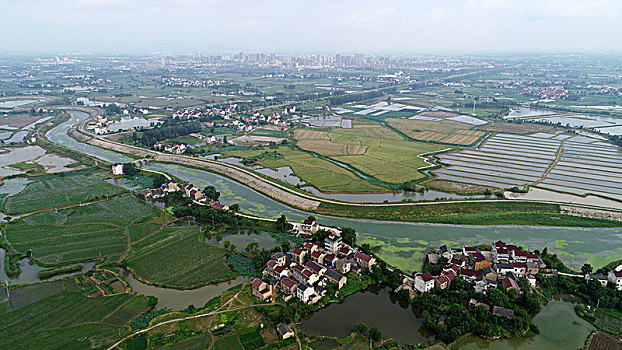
410,234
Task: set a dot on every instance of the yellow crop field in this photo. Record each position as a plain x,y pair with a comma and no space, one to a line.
445,131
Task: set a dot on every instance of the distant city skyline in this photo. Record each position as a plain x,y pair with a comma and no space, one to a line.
314,26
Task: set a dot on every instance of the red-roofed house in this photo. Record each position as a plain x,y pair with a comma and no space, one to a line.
364,261
615,277
261,289
441,282
287,285
298,255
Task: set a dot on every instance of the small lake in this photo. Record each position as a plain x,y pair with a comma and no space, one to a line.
243,237
376,308
559,325
523,112
128,123
30,271
17,103
18,154
176,299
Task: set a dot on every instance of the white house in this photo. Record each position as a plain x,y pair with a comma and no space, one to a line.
424,282
615,277
117,169
304,292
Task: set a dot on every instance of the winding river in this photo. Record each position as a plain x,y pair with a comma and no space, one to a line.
403,243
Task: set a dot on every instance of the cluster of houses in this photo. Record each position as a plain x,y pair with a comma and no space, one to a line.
194,193
614,277
182,82
169,186
176,148
98,125
304,272
503,266
553,93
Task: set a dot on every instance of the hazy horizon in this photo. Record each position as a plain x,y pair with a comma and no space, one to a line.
369,27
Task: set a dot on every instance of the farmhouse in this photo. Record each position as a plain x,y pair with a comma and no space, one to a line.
284,331
117,169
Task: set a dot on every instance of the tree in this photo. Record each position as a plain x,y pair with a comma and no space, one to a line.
361,328
211,193
586,269
282,224
375,334
349,236
130,169
234,207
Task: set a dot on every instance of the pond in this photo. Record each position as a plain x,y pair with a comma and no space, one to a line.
17,103
376,308
128,123
176,299
243,237
14,155
559,325
30,271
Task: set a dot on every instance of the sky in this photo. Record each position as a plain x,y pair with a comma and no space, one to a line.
310,26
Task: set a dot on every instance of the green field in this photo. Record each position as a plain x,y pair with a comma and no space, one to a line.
59,191
175,257
322,174
372,149
78,234
65,320
228,343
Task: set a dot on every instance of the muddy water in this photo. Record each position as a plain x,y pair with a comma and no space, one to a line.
376,308
176,299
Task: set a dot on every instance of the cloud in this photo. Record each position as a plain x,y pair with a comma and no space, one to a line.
311,25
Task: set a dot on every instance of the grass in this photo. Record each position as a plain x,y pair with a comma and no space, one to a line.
372,149
228,343
79,234
442,131
469,213
64,320
59,191
251,339
195,263
196,343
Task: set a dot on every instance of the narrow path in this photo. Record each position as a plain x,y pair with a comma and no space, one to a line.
212,313
558,156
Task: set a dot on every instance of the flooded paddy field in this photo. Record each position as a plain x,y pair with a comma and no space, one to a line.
567,163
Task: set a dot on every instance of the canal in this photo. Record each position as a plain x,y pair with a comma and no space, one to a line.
403,244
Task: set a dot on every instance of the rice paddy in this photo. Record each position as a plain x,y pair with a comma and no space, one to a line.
196,263
567,163
59,191
437,130
77,234
61,319
372,149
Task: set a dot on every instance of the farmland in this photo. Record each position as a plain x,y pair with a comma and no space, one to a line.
321,173
59,191
437,130
566,163
196,263
77,234
62,319
372,149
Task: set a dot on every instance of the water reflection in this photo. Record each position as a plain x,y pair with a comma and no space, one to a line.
376,308
176,299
